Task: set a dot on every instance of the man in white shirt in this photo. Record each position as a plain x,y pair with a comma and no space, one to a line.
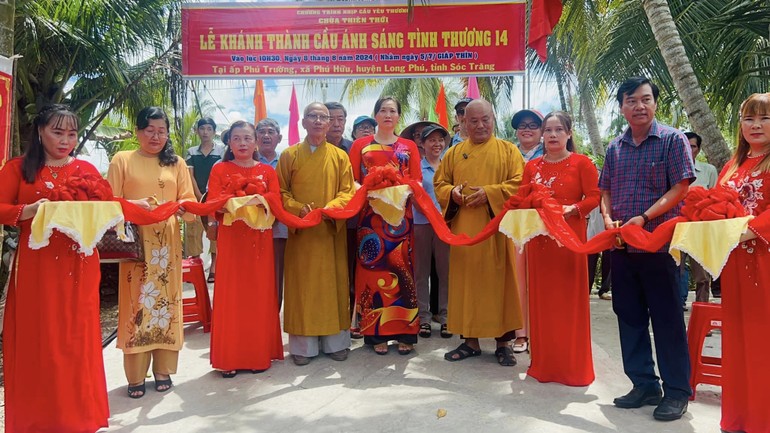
705,176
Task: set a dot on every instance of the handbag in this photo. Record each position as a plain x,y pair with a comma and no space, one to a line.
113,250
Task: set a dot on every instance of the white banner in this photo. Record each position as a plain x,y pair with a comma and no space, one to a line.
6,65
6,102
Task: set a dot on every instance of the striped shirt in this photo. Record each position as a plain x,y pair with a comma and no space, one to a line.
638,175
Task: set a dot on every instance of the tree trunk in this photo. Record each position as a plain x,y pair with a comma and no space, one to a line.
587,107
686,83
560,87
7,9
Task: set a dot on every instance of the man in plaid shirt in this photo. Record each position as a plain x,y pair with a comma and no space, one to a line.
646,174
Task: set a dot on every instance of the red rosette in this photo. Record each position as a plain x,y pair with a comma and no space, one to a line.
382,177
701,204
531,196
82,187
241,186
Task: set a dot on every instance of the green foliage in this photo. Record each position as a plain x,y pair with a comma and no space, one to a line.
727,44
91,55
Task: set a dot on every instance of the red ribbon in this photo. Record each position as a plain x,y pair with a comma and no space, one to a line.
533,196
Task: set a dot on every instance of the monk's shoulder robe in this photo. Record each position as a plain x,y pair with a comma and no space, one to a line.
483,295
316,290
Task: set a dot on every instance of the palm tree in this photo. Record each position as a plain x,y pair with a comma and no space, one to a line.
725,45
686,83
572,56
91,54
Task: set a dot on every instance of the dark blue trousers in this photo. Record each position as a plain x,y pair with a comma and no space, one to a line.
645,287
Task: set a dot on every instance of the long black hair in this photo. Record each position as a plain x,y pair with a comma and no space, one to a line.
34,157
166,155
229,155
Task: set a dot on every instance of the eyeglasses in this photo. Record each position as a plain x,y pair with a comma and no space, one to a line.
316,117
338,119
151,133
365,127
530,125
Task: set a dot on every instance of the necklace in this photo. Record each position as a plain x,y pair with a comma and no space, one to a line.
55,173
757,155
558,160
247,164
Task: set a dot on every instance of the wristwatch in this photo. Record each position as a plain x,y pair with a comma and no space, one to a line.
646,218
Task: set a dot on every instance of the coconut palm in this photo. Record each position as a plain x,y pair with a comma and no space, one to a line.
709,54
572,56
91,54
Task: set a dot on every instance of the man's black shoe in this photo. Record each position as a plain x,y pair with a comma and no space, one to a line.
639,397
670,409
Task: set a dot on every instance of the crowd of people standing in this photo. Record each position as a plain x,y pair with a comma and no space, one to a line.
380,286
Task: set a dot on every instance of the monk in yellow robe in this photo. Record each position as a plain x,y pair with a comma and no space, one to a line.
474,180
315,174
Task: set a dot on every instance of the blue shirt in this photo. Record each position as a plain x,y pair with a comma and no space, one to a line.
637,175
535,152
279,229
427,183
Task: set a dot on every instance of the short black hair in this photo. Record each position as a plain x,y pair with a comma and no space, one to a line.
630,85
336,106
698,139
207,121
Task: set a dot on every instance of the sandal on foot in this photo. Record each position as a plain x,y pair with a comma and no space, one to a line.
404,348
355,333
210,279
381,349
229,374
521,345
425,330
463,351
133,390
258,371
160,384
445,332
505,356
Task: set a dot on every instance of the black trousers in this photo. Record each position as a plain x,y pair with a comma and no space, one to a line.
593,261
646,289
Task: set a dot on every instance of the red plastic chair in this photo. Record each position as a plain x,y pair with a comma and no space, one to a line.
703,369
197,308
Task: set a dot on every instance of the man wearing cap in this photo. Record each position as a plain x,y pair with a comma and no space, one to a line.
527,124
363,126
459,116
473,181
337,117
426,243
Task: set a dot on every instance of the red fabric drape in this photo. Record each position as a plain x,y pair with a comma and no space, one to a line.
545,16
